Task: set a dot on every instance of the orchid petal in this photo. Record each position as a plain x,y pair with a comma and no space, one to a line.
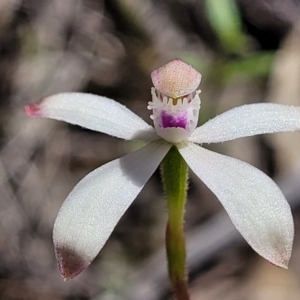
94,112
248,120
92,210
253,201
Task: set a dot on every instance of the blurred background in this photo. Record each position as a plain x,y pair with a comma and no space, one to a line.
247,52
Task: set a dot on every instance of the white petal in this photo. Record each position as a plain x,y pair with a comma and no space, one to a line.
253,201
94,112
248,120
92,210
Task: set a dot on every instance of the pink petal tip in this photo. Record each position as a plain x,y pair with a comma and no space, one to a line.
280,261
283,265
33,110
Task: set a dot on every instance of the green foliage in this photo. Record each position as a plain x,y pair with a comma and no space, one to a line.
225,19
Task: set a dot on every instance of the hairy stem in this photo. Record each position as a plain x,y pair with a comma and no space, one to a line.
175,177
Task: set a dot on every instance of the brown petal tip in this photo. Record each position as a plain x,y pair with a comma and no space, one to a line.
70,263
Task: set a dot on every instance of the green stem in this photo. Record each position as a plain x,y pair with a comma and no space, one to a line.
175,177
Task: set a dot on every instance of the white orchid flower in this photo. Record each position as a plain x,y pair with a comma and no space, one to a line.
253,201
